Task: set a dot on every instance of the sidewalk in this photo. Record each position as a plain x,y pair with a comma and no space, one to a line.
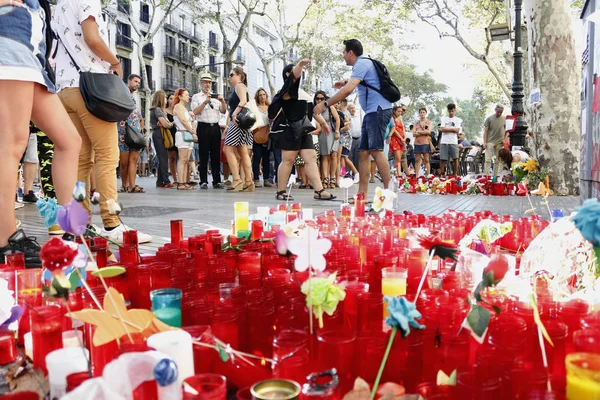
205,209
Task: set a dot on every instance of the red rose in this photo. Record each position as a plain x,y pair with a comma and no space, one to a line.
496,269
56,254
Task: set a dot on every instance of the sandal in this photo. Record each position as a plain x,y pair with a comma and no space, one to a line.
333,183
249,188
124,189
325,183
236,188
319,193
137,189
282,195
183,186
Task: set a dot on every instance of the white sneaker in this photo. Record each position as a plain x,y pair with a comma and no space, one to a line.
116,235
95,229
356,178
19,205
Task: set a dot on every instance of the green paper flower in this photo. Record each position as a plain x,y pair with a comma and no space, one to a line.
323,295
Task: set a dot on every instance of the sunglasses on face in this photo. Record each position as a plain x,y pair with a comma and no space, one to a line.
232,74
319,98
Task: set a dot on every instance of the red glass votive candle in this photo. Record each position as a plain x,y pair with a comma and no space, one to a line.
76,379
205,387
16,260
8,347
244,394
139,286
586,341
197,311
176,231
260,328
555,354
350,303
28,292
204,357
370,312
160,275
101,250
290,350
336,350
137,343
46,333
369,353
571,313
130,238
225,325
257,229
129,255
380,262
250,263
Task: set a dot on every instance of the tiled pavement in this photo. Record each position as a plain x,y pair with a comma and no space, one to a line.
201,209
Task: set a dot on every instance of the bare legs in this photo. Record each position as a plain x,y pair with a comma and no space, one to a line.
325,166
124,169
285,168
173,164
231,152
382,166
182,164
28,176
134,156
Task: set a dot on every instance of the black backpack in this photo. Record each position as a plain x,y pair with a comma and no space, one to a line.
388,88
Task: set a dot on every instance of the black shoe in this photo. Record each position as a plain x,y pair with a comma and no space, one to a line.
24,244
218,186
30,197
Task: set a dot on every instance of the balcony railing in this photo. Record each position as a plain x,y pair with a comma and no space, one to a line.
185,31
186,58
148,50
213,68
170,84
170,27
212,43
145,16
195,37
171,52
125,42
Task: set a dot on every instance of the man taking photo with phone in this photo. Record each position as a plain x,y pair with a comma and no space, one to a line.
208,109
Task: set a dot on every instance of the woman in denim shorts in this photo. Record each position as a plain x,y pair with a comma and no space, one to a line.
28,93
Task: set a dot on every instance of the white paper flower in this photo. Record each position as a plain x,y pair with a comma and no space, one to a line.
291,180
346,183
384,199
310,251
113,207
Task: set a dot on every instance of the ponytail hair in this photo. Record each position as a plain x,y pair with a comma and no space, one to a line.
240,71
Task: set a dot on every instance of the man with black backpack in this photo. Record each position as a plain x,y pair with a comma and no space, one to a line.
376,93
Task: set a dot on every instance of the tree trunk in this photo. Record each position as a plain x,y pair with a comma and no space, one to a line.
145,88
554,69
267,66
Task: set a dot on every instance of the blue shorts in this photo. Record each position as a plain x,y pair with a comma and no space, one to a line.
422,148
374,128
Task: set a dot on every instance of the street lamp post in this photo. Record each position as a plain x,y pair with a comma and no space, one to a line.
517,137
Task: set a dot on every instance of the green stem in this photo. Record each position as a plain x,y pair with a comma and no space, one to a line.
382,366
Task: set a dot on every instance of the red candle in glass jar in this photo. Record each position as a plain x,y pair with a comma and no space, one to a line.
100,248
290,350
205,387
225,325
260,328
249,264
160,275
129,255
46,333
176,231
336,350
257,229
8,348
139,286
204,357
147,389
16,260
370,312
130,237
350,303
28,292
369,353
380,262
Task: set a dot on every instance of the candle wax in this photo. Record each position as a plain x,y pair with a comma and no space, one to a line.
581,388
170,316
393,287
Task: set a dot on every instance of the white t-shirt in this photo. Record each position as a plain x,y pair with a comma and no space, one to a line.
451,137
66,23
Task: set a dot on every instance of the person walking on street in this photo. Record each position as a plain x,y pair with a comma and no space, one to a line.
450,127
378,111
237,139
128,157
158,120
83,35
208,109
493,137
397,140
293,104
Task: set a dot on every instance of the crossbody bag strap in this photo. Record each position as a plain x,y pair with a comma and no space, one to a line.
57,36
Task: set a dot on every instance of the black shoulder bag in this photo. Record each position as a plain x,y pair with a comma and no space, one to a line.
105,95
300,127
134,140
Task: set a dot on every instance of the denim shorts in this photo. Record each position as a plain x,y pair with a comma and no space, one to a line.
374,128
422,148
23,44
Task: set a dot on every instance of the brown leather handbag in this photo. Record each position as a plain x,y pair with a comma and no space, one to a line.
261,135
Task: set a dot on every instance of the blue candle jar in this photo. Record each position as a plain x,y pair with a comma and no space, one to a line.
166,305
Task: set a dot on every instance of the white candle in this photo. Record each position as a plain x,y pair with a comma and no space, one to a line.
60,364
178,346
307,214
28,345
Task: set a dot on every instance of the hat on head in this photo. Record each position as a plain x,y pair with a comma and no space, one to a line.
206,77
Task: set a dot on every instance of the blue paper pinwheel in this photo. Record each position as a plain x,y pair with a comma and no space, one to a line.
403,314
587,221
48,209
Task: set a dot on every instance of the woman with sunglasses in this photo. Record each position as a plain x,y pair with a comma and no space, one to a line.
292,104
237,139
329,143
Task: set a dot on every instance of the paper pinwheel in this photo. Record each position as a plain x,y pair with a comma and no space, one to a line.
48,209
384,199
73,218
310,251
79,191
587,221
323,295
346,183
436,246
291,180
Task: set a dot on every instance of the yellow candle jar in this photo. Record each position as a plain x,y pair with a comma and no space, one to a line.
393,284
583,376
240,213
